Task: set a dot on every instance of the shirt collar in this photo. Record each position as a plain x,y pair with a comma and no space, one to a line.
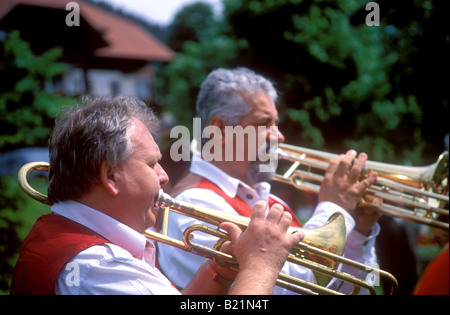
227,183
104,225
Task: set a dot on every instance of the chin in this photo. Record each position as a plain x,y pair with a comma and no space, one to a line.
150,219
256,176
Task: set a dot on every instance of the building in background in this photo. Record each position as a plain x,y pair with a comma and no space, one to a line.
107,54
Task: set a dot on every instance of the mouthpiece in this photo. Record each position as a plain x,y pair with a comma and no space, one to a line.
163,198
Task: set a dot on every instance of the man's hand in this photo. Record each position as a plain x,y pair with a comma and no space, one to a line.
365,215
342,184
261,250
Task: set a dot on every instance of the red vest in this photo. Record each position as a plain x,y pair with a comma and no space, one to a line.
435,279
51,243
240,206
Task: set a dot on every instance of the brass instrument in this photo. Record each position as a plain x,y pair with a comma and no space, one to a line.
419,194
320,250
23,181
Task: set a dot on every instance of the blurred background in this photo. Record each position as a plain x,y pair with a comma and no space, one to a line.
342,84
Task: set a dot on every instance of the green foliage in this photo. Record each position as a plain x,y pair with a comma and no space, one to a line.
204,50
192,23
339,77
343,84
18,213
182,78
27,110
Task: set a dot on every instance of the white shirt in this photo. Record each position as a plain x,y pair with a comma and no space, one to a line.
124,266
180,266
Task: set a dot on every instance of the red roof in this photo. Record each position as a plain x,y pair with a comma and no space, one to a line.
125,39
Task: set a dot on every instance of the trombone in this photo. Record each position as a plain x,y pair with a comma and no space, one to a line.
321,249
418,194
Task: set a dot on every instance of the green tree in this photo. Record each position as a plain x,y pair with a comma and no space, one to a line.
27,109
181,79
204,44
343,84
346,84
193,22
27,112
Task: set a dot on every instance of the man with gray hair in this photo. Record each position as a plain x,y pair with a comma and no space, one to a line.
241,98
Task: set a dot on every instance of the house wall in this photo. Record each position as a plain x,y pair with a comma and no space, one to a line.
107,83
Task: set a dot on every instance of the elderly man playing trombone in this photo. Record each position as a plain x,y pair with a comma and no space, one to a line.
240,97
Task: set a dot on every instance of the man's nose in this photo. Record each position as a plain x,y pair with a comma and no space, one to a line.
275,133
163,177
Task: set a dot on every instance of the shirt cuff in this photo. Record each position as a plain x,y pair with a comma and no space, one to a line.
358,239
323,212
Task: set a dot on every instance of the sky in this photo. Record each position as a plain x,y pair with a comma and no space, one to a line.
159,11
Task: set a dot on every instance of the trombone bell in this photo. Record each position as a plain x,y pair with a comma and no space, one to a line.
331,237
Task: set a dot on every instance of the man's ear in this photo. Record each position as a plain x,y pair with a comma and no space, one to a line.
108,177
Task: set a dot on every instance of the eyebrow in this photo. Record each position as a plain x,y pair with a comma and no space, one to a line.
267,119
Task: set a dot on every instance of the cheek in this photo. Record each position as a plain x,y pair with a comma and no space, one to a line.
138,183
255,143
151,182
